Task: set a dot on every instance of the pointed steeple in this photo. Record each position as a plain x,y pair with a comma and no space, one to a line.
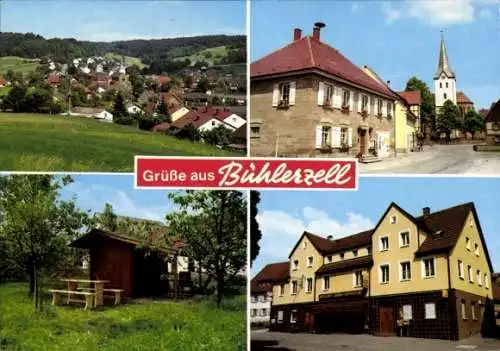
443,64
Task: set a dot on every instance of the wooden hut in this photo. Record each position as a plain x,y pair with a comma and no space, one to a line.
121,260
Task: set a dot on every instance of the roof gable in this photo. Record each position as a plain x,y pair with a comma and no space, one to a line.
411,97
273,272
317,241
494,113
308,53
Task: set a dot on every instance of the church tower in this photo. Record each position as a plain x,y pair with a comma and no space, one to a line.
444,79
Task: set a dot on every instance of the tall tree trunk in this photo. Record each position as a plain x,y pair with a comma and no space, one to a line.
220,287
40,290
31,274
200,280
35,296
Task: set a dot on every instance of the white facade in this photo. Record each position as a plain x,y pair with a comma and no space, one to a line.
235,120
133,109
213,123
445,89
260,308
85,70
104,115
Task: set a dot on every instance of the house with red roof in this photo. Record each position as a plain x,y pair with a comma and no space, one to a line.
492,122
54,80
3,82
308,99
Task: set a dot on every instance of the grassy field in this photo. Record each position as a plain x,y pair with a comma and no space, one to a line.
17,64
217,53
152,325
129,60
32,142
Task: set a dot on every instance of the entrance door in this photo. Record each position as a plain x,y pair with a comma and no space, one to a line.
362,141
386,320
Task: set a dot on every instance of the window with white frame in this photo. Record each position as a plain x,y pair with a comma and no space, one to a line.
285,93
464,312
476,249
358,279
326,282
282,289
486,281
405,270
379,106
430,310
294,287
254,131
384,243
344,136
478,277
393,219
407,312
253,312
328,95
428,267
293,316
310,261
364,103
460,269
304,244
469,272
384,273
404,239
389,109
280,316
309,284
326,136
346,96
467,243
261,298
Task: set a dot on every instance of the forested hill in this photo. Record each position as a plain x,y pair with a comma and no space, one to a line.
30,45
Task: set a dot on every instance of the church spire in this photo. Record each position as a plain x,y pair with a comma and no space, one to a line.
443,64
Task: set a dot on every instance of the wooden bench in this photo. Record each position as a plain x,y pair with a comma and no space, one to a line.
89,297
117,293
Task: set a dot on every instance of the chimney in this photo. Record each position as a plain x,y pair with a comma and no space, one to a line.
317,30
330,237
297,34
426,211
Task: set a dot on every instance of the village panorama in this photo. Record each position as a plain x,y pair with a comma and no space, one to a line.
179,96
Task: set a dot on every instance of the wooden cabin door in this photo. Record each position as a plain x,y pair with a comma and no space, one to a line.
386,320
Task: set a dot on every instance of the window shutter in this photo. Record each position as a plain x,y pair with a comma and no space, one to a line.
351,101
337,97
292,93
321,94
276,95
336,137
318,136
349,136
360,102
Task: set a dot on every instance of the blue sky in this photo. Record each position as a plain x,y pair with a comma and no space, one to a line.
110,20
93,191
398,39
284,215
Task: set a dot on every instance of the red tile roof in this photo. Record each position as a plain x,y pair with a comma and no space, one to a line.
327,246
273,272
2,81
201,116
162,127
163,79
462,98
54,79
411,97
312,54
494,113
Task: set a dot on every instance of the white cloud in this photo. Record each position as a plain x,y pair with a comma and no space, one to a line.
96,196
434,13
281,230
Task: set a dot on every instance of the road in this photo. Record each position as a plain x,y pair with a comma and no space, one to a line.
439,159
267,341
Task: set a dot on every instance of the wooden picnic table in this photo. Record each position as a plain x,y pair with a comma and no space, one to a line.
98,285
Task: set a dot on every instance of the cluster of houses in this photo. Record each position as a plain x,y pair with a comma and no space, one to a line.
308,99
427,275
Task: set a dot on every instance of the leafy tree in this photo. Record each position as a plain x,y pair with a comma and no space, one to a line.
15,98
38,99
190,132
188,81
119,109
489,327
473,122
427,107
203,85
255,233
137,83
448,118
212,225
38,226
107,219
78,97
162,112
219,135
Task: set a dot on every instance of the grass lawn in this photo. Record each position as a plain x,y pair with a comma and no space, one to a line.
129,60
35,142
17,64
217,53
153,325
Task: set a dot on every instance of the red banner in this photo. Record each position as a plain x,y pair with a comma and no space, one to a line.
245,173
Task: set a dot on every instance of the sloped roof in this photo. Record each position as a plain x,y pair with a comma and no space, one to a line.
326,246
411,97
273,272
494,113
443,62
241,132
358,262
308,53
462,98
